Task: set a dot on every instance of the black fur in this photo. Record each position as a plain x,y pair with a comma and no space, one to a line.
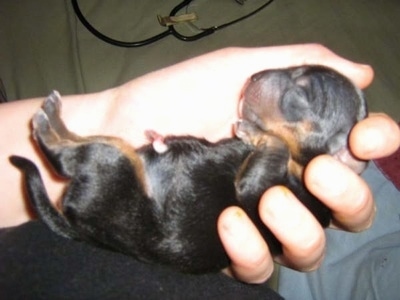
162,207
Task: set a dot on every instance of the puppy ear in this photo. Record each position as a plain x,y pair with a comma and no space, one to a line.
295,104
339,149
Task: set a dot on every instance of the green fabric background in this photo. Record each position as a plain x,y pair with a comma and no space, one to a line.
43,46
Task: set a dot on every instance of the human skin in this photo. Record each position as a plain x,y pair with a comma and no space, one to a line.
200,97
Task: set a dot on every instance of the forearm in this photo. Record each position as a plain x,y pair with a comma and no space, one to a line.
197,97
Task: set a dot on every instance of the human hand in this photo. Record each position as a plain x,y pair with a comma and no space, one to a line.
302,237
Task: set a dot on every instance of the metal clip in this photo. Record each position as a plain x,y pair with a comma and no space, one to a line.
172,20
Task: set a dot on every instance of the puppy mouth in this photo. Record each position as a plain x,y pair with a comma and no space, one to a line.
345,156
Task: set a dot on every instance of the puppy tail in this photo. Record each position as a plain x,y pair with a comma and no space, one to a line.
40,200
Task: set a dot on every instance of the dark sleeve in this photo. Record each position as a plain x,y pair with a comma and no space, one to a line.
37,264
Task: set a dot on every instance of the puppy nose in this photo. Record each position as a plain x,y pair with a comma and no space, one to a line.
258,76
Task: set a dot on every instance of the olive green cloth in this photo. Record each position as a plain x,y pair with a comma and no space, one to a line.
44,46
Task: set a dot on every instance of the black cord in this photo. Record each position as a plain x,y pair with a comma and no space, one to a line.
244,17
111,41
170,31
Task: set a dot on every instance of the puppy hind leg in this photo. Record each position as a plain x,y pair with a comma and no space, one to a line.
52,108
55,141
48,128
42,130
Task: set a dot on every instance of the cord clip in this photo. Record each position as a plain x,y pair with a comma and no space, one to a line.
172,20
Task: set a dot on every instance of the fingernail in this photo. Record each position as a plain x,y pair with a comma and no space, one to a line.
235,223
281,203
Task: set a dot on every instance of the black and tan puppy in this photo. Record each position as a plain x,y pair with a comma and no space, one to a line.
161,204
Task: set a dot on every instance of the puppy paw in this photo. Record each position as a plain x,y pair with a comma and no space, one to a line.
40,124
157,141
47,124
52,104
248,132
52,108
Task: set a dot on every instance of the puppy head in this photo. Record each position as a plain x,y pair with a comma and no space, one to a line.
312,108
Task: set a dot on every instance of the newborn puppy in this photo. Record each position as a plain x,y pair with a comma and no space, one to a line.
301,111
160,203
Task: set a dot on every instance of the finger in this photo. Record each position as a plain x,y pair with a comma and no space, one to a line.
361,74
253,60
302,237
343,191
375,137
251,260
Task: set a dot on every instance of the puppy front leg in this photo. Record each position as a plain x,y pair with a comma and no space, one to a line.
264,168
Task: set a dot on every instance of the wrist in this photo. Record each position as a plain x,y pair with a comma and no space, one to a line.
87,114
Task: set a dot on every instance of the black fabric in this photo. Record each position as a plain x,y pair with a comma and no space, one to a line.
37,264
